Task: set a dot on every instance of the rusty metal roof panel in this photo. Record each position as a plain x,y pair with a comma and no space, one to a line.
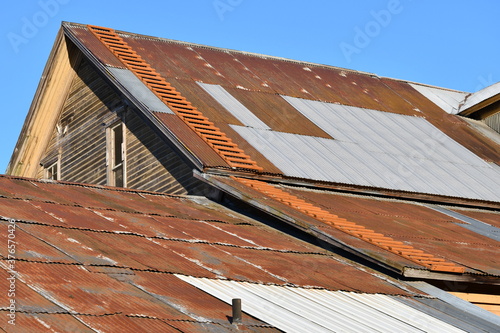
27,299
126,323
232,105
234,72
119,266
415,225
169,235
86,38
491,218
77,290
410,223
38,249
45,322
254,83
472,224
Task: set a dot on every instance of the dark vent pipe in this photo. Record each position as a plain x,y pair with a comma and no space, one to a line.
236,310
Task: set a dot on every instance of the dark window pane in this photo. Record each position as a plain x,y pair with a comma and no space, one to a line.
118,175
117,143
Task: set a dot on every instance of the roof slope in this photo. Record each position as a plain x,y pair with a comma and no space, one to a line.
415,239
300,120
97,255
91,258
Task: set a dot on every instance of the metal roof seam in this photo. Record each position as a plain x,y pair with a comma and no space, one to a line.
152,214
181,240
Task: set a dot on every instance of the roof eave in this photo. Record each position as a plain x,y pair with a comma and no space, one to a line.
482,104
360,190
414,273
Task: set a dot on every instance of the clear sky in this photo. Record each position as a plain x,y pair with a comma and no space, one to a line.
447,43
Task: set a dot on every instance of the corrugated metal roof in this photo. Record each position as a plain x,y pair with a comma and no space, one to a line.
108,255
312,310
474,225
392,149
138,90
411,223
480,96
233,105
472,314
447,100
368,163
408,149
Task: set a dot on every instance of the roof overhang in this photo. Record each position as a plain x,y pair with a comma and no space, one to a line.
482,104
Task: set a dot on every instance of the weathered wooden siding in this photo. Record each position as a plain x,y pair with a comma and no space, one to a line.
152,165
91,107
81,140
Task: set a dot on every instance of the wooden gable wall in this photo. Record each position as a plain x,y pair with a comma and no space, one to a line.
79,141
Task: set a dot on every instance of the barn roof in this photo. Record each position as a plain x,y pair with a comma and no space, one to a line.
296,120
91,258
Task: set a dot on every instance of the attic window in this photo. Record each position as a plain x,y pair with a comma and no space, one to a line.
116,155
52,171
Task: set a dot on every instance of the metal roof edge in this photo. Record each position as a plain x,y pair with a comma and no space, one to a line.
429,85
480,99
416,273
100,187
413,197
456,302
215,48
144,112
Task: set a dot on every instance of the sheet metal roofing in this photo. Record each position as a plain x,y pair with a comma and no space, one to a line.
90,258
435,231
311,310
367,130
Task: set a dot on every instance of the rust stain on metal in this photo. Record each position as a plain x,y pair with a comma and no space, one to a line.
406,251
205,128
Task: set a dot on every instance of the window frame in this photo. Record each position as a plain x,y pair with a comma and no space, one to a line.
49,174
114,166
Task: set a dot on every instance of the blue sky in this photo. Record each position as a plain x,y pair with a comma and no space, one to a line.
452,44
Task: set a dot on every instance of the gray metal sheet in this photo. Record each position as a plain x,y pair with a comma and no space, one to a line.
447,100
482,317
480,96
474,225
140,92
377,149
449,314
313,310
232,105
493,122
